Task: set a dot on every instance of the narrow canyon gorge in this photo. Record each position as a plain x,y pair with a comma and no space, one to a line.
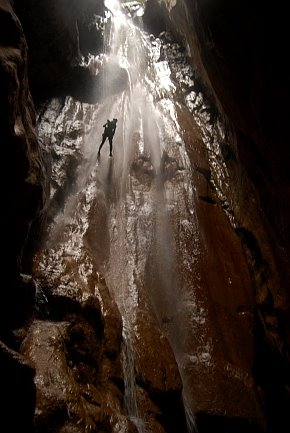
147,292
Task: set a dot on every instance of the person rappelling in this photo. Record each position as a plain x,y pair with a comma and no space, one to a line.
109,132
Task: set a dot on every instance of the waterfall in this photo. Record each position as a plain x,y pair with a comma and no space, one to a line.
129,379
146,228
148,141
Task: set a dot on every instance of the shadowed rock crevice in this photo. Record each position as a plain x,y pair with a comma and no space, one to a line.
207,422
60,36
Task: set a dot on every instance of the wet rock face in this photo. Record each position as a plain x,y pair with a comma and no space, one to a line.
74,385
238,50
158,380
231,43
74,343
244,63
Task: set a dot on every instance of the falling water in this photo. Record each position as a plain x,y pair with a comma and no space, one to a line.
129,378
146,149
137,139
145,214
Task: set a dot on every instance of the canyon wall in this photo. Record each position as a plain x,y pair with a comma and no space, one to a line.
237,50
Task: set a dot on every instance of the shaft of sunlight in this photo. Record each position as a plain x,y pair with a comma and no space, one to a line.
139,212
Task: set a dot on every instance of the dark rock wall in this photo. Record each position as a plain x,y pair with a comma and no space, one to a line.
238,50
58,34
24,195
61,35
25,181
